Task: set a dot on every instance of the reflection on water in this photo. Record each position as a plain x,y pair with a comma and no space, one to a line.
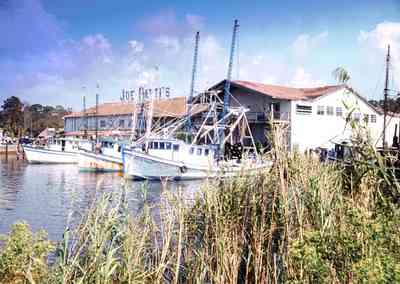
44,195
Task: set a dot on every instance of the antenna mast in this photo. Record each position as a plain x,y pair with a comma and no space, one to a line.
385,97
85,126
194,69
149,117
228,79
97,112
140,123
134,120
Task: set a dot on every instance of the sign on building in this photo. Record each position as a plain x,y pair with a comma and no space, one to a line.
143,94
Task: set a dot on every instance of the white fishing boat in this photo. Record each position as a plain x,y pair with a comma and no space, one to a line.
177,160
106,157
221,146
56,151
164,157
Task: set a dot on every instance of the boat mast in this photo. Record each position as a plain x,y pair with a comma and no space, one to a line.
84,117
97,111
134,120
190,99
150,117
385,97
140,124
228,81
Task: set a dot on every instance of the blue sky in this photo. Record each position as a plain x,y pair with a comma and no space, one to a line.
50,49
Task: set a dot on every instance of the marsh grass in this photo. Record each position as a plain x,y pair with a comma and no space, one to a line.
302,221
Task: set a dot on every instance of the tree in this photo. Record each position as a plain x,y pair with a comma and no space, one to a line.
19,118
12,117
393,105
341,75
46,116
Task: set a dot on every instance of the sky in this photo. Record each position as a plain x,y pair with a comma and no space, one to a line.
56,52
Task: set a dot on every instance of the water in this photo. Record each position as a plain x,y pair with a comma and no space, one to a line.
45,195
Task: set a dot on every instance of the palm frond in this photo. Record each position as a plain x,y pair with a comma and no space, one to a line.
341,75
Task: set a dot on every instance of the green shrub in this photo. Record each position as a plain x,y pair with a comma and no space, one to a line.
23,258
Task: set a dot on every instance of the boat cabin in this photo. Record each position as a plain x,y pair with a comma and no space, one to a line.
111,147
68,144
175,150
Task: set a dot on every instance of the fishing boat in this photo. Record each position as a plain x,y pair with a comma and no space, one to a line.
177,160
221,146
56,151
105,157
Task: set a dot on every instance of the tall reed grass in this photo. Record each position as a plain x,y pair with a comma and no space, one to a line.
301,221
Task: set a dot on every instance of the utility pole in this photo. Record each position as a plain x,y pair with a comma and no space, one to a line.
194,69
97,118
385,97
84,118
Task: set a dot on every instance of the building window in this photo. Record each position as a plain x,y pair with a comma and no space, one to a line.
303,109
155,145
102,123
162,145
329,110
206,152
199,150
191,151
357,116
176,147
373,118
320,110
121,123
366,118
339,111
168,145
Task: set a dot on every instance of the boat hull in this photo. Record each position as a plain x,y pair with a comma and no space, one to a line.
46,156
93,162
139,165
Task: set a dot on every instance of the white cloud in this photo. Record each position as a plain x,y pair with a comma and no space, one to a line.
135,46
169,43
26,27
97,41
305,43
384,33
98,46
163,22
147,78
164,59
302,79
375,43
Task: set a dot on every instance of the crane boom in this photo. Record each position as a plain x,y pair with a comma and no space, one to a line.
227,85
194,69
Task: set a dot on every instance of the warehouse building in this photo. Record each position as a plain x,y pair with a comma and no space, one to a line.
115,118
313,117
